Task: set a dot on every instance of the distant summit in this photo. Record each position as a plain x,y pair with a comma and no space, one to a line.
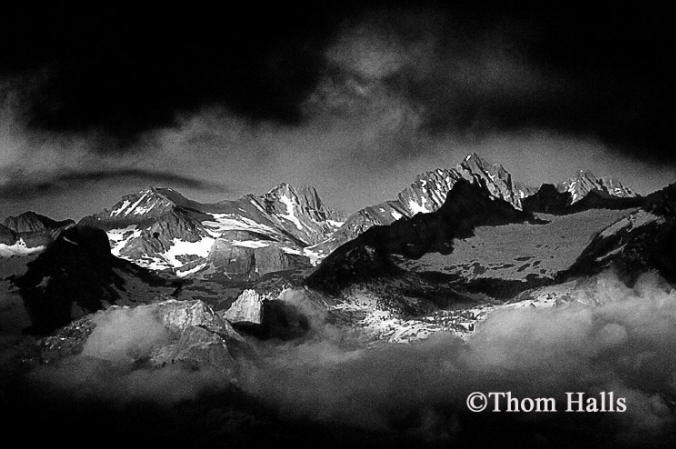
32,222
585,181
28,233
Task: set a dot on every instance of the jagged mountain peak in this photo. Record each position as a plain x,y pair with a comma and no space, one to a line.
474,161
281,189
493,176
289,201
585,182
429,190
294,192
286,192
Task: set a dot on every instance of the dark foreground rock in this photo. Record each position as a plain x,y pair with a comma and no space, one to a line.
75,275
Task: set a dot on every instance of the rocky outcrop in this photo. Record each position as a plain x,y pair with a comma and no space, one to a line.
266,316
548,200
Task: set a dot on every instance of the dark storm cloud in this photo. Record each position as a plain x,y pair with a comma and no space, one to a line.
16,187
592,70
129,68
595,73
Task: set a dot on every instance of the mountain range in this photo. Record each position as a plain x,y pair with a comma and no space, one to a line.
454,235
289,228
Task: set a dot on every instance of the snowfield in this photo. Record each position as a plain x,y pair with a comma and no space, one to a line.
515,251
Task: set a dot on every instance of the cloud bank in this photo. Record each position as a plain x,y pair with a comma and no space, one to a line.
608,337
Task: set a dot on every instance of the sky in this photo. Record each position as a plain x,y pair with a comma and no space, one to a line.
355,98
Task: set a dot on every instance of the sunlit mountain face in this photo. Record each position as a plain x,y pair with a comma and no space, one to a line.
364,224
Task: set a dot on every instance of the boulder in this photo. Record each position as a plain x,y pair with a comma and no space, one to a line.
247,310
255,314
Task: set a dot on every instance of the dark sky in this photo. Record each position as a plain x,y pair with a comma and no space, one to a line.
227,100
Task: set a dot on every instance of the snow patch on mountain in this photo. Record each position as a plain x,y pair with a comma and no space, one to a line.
416,208
250,243
290,215
231,222
181,248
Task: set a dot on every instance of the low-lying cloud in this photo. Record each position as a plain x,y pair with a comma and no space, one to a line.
606,337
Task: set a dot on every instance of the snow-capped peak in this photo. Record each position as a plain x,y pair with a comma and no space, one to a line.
150,201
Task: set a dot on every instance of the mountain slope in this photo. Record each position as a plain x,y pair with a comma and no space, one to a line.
467,206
